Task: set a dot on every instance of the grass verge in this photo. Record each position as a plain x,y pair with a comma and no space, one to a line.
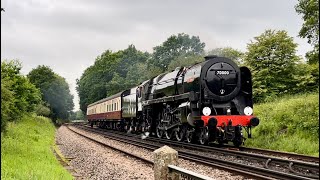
26,151
289,124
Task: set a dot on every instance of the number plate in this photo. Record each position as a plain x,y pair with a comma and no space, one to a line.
222,72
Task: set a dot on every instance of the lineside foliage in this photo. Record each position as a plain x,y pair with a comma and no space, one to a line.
18,95
271,58
26,150
55,93
290,123
41,91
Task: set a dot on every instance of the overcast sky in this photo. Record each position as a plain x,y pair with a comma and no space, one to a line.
68,35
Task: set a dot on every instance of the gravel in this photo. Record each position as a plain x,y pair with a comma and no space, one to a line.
92,161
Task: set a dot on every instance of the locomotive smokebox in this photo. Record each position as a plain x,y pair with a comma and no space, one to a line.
220,78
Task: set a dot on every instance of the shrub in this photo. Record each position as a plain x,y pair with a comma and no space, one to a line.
18,95
42,110
290,123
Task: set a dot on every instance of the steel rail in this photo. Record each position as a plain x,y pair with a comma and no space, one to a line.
268,159
213,161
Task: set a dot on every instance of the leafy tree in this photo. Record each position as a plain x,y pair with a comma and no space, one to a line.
153,71
175,46
306,77
18,95
55,91
109,74
117,84
185,61
92,84
59,98
271,58
310,28
137,73
79,115
7,102
130,57
42,77
43,110
228,52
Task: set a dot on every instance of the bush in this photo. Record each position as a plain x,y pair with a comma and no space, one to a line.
306,78
18,95
42,110
290,123
6,103
59,122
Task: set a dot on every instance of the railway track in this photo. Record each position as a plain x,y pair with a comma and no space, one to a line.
228,148
293,169
282,154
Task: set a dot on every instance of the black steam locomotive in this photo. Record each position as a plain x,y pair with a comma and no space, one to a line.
206,102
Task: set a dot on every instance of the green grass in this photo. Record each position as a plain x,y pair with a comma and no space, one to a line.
290,124
26,151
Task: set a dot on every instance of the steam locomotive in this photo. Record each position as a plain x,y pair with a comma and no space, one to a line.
207,102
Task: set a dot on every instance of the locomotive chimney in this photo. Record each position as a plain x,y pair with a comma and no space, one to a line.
210,57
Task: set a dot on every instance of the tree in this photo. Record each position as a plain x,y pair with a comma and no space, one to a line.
228,52
185,61
137,73
92,84
310,28
271,58
55,91
109,74
175,46
7,102
18,95
79,115
116,85
306,77
59,98
130,57
43,110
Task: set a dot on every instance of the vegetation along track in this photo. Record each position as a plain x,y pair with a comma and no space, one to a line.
259,166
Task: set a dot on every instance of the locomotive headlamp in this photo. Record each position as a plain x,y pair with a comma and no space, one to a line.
206,111
248,111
